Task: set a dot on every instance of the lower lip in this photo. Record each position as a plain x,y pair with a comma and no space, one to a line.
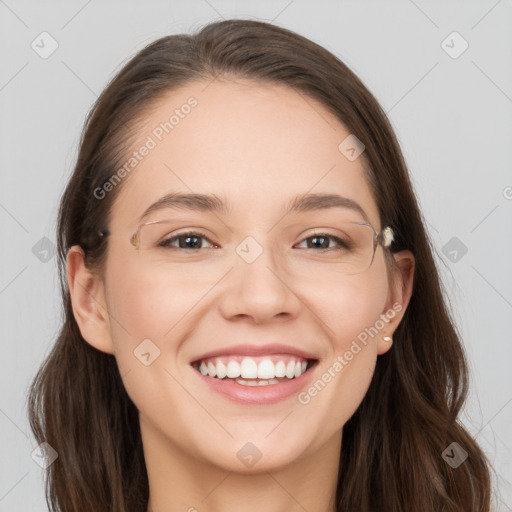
269,394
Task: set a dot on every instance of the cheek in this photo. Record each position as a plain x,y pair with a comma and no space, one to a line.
151,302
349,306
152,312
350,316
147,321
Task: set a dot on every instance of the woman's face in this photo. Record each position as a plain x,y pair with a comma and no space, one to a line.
258,293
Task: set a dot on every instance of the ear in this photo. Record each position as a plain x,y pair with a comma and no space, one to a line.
401,287
88,302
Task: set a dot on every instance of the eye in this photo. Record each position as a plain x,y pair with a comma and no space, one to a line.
195,240
323,241
189,240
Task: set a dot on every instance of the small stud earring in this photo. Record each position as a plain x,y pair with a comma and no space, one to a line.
388,338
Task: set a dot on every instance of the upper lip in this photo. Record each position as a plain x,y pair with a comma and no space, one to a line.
255,350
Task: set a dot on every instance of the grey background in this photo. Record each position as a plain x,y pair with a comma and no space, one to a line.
453,118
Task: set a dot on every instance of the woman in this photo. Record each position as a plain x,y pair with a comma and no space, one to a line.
253,316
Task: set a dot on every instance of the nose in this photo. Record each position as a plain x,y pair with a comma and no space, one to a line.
260,291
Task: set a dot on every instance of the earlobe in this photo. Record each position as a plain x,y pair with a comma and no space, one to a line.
401,289
88,302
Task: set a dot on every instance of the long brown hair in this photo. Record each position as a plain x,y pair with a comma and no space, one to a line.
391,459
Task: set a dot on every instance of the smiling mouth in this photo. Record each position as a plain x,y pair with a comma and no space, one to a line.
254,371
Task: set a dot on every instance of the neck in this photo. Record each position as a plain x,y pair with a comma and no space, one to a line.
180,483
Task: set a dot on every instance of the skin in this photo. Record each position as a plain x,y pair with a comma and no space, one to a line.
258,146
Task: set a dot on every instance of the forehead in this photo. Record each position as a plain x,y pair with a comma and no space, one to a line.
256,144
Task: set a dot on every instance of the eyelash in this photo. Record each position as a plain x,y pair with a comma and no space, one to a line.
165,243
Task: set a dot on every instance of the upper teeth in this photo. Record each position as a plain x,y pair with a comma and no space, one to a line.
249,368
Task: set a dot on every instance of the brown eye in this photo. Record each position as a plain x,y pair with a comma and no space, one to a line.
191,240
323,241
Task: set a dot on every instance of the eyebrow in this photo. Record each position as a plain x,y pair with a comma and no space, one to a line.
212,203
